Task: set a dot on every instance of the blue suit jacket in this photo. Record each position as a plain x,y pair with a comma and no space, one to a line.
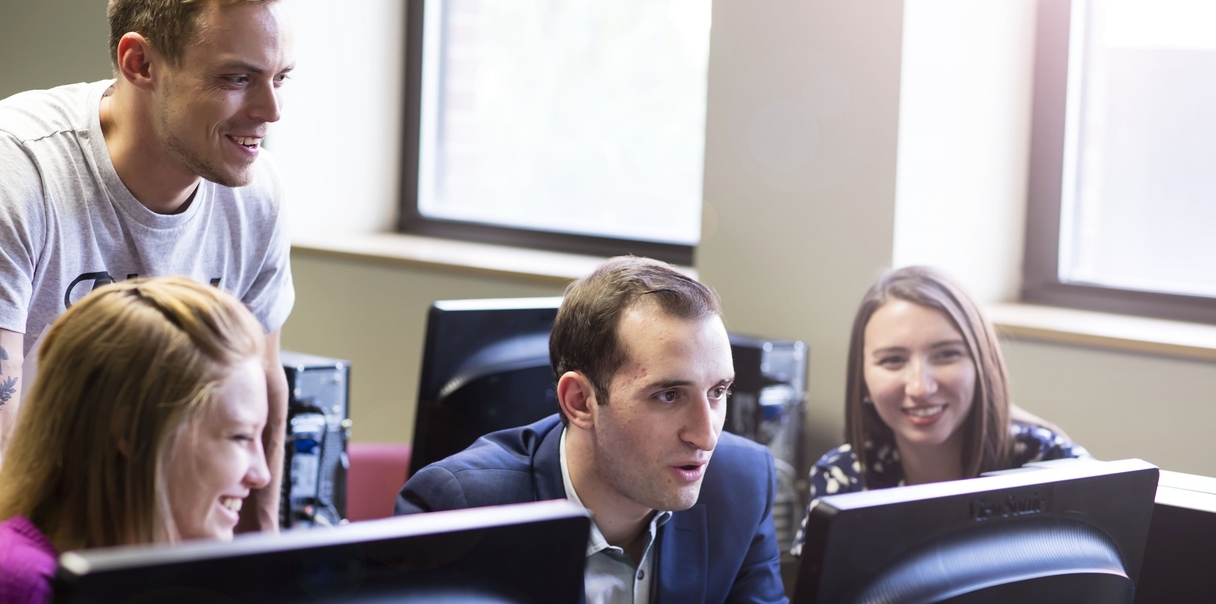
723,549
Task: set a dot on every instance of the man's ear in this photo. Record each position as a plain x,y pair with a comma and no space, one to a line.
135,58
576,396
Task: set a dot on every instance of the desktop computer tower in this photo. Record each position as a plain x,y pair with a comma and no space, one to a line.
318,428
767,404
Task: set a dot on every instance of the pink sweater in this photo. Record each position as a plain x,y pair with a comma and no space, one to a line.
28,560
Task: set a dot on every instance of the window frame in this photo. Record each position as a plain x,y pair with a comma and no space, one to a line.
1040,279
412,221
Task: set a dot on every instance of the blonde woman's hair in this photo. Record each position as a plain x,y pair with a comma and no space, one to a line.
119,376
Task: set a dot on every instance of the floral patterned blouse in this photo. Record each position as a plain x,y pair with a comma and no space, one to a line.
838,471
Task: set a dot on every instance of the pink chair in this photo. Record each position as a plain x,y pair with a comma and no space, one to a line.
377,473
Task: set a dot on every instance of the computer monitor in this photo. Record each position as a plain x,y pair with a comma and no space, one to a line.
1180,558
1071,532
485,367
525,553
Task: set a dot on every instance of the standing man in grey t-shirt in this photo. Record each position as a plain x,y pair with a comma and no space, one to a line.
157,172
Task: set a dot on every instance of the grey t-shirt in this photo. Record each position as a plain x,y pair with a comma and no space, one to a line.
68,224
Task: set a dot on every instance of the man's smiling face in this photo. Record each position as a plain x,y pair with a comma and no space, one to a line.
213,109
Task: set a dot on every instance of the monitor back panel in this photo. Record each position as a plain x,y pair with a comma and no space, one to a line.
534,558
858,540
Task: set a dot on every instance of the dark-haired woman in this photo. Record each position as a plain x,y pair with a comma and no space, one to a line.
927,396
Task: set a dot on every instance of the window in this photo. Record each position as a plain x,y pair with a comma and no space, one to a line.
1122,212
567,125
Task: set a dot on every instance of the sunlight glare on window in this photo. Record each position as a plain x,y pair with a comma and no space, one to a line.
571,117
1138,207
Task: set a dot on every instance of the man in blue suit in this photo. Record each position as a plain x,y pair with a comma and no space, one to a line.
681,512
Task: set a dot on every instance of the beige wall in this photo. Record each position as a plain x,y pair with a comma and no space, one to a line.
791,252
964,140
773,238
1121,405
51,42
790,246
374,315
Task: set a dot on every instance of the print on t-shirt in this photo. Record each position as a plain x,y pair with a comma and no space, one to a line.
100,278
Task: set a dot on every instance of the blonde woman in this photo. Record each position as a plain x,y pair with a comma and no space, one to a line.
144,425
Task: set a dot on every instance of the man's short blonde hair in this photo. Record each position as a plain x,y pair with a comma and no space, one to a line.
168,25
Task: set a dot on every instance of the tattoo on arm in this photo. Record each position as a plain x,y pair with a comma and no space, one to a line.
7,390
9,386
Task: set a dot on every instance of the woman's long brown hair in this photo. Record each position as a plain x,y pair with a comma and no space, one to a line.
986,435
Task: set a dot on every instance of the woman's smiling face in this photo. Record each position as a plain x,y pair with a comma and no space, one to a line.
218,458
919,374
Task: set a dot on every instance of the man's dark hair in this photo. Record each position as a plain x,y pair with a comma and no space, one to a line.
169,26
584,336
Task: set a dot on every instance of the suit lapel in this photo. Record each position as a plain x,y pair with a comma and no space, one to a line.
683,557
547,473
547,466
